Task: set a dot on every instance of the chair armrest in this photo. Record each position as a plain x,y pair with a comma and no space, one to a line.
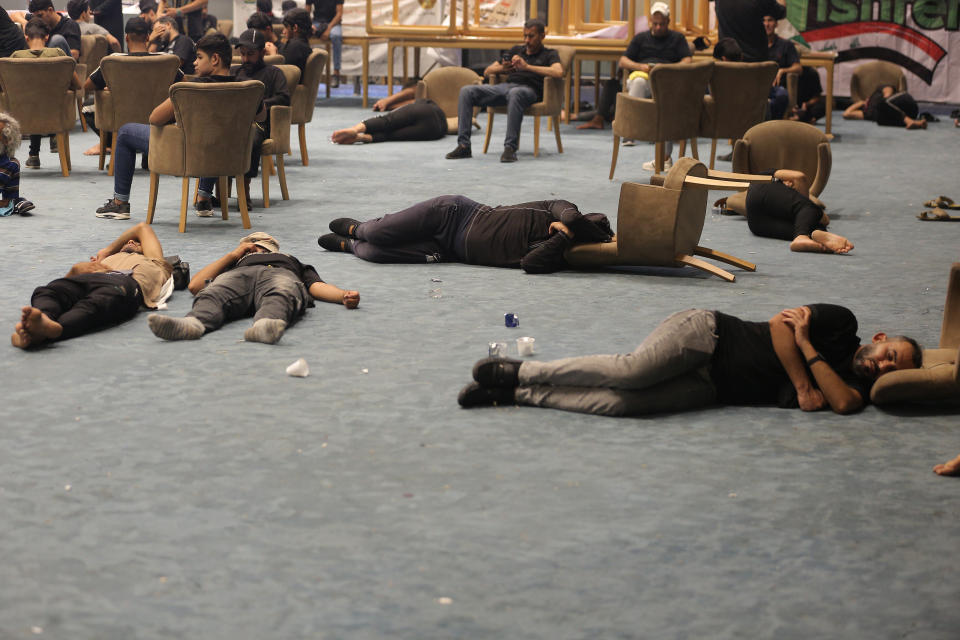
636,118
167,153
280,120
103,110
950,330
421,91
824,165
741,156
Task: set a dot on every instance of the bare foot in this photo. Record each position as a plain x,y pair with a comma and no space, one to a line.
344,136
916,124
34,327
832,241
806,244
951,468
93,151
594,123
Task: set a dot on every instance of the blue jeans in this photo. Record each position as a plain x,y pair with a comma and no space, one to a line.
779,99
336,39
132,138
669,371
517,97
57,41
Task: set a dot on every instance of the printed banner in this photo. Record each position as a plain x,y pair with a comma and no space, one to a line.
917,35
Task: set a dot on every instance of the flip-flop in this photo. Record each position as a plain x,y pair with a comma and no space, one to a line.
942,202
938,214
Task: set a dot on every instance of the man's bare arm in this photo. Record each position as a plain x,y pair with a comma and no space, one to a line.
329,293
215,268
553,71
142,233
163,113
785,346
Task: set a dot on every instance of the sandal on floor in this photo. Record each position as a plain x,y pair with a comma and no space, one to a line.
938,214
942,202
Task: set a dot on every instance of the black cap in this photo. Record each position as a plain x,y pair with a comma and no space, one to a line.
137,26
251,39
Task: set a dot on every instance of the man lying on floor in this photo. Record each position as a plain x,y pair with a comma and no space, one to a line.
105,291
532,235
809,357
254,279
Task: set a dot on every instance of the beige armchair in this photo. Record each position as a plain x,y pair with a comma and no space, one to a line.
275,58
673,113
93,48
784,144
550,106
135,86
303,98
225,27
213,136
442,85
661,225
938,380
870,76
738,100
36,91
278,143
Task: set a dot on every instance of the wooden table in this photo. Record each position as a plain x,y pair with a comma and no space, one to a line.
362,41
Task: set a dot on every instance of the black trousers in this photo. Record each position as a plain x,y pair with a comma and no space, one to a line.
891,112
417,121
607,103
774,210
89,301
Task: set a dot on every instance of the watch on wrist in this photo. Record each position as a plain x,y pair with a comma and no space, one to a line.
815,359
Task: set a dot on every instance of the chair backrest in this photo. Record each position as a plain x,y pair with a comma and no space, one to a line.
216,121
784,144
739,93
656,223
553,87
93,48
225,27
870,76
443,84
950,329
271,59
36,91
137,84
678,91
292,74
303,97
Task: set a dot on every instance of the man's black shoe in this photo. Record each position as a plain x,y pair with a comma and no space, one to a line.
344,227
473,395
497,373
727,157
334,242
509,155
23,207
460,152
204,208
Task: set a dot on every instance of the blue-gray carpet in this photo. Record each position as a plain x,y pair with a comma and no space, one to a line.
193,490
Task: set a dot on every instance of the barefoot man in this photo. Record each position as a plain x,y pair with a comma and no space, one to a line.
105,291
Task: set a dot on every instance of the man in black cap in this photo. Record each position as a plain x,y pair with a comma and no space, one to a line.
167,38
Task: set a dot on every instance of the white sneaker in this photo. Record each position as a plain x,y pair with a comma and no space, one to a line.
629,143
648,166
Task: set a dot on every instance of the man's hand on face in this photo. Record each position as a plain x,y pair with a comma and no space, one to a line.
158,32
244,248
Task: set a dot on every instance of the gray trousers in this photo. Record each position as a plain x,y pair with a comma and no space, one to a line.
258,290
669,371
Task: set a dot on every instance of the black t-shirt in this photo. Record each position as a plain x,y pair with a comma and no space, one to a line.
11,35
783,52
183,48
745,368
307,274
501,236
70,30
190,24
543,58
324,10
97,76
742,20
296,51
645,48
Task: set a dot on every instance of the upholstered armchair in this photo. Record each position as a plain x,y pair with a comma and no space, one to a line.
278,143
93,48
36,91
673,113
135,86
212,137
225,27
442,85
661,225
870,76
938,380
303,97
785,144
738,100
550,106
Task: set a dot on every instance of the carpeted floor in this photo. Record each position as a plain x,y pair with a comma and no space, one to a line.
193,490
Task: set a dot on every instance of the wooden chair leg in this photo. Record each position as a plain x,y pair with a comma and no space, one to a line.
103,148
64,168
282,173
713,151
303,144
222,190
66,145
556,134
196,192
724,257
683,149
265,162
152,199
184,199
693,149
536,136
486,139
616,150
703,265
242,200
658,159
83,121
